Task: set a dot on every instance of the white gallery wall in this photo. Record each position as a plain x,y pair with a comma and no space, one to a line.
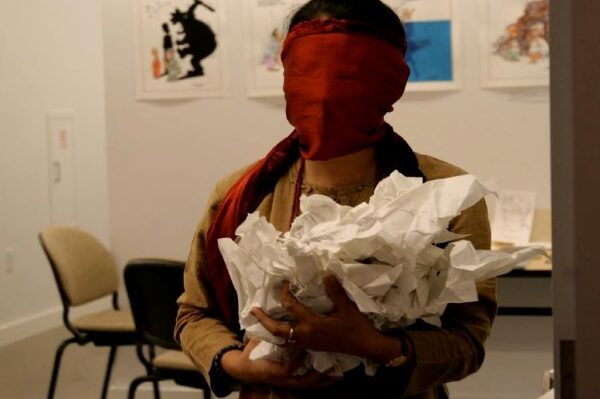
50,59
165,156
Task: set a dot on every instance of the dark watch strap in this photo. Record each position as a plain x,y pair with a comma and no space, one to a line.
221,383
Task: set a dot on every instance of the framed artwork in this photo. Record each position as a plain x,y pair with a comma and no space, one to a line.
265,26
515,37
431,26
432,31
179,48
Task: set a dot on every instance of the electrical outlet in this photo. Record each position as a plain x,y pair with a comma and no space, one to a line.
9,260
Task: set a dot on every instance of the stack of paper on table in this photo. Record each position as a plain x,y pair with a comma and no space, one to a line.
535,234
385,253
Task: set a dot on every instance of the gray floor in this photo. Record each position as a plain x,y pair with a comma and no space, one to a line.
519,351
26,365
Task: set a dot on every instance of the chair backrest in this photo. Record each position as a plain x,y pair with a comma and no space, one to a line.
153,286
84,269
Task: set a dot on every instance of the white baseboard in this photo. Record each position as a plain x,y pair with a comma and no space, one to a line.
28,326
25,327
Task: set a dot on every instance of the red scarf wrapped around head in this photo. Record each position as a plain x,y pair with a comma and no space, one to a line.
339,82
341,77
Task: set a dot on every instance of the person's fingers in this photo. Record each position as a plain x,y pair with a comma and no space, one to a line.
292,305
252,343
278,328
296,360
336,292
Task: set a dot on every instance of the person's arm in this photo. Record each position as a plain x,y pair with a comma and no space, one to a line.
202,335
214,349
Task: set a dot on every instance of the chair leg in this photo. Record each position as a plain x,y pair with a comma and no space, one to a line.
136,382
206,392
156,389
56,367
111,360
148,365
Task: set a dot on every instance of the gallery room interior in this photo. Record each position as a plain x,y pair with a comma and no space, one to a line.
121,116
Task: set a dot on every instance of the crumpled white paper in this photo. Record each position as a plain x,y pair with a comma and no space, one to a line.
383,253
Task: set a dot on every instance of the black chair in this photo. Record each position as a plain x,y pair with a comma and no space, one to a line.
153,287
85,271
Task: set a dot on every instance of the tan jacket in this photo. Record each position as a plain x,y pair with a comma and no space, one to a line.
442,355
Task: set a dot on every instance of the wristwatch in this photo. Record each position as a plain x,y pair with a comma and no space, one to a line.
406,352
222,383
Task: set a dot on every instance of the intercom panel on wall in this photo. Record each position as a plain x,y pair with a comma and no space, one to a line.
61,166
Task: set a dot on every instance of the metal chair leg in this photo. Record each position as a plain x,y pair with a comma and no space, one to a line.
111,360
156,389
136,382
56,367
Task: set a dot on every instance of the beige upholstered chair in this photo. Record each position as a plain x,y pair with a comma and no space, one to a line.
85,271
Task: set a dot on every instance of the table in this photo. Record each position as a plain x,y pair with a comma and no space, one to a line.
533,286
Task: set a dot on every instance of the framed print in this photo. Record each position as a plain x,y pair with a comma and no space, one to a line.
515,43
432,32
265,26
179,48
431,26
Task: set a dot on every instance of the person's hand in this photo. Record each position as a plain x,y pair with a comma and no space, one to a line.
238,365
344,330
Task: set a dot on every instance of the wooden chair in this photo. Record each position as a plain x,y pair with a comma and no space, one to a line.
85,271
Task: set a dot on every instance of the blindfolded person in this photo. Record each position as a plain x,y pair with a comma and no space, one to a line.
344,69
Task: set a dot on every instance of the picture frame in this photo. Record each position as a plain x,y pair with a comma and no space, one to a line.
435,64
433,36
180,49
265,25
514,43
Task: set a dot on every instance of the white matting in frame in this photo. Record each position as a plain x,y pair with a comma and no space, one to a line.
180,49
433,35
265,25
514,36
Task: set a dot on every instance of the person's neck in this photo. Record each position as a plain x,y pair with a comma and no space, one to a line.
354,168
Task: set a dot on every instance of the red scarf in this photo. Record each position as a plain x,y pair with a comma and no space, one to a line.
340,79
362,92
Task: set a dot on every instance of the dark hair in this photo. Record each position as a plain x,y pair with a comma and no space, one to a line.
372,12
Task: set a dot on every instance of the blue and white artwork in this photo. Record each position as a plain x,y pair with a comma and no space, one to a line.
429,52
432,36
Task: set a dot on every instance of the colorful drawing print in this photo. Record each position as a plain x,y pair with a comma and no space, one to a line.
178,52
431,30
431,36
272,55
517,35
265,28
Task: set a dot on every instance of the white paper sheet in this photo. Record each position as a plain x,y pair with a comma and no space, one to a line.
382,252
513,219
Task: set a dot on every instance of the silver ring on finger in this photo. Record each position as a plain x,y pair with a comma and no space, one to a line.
290,338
